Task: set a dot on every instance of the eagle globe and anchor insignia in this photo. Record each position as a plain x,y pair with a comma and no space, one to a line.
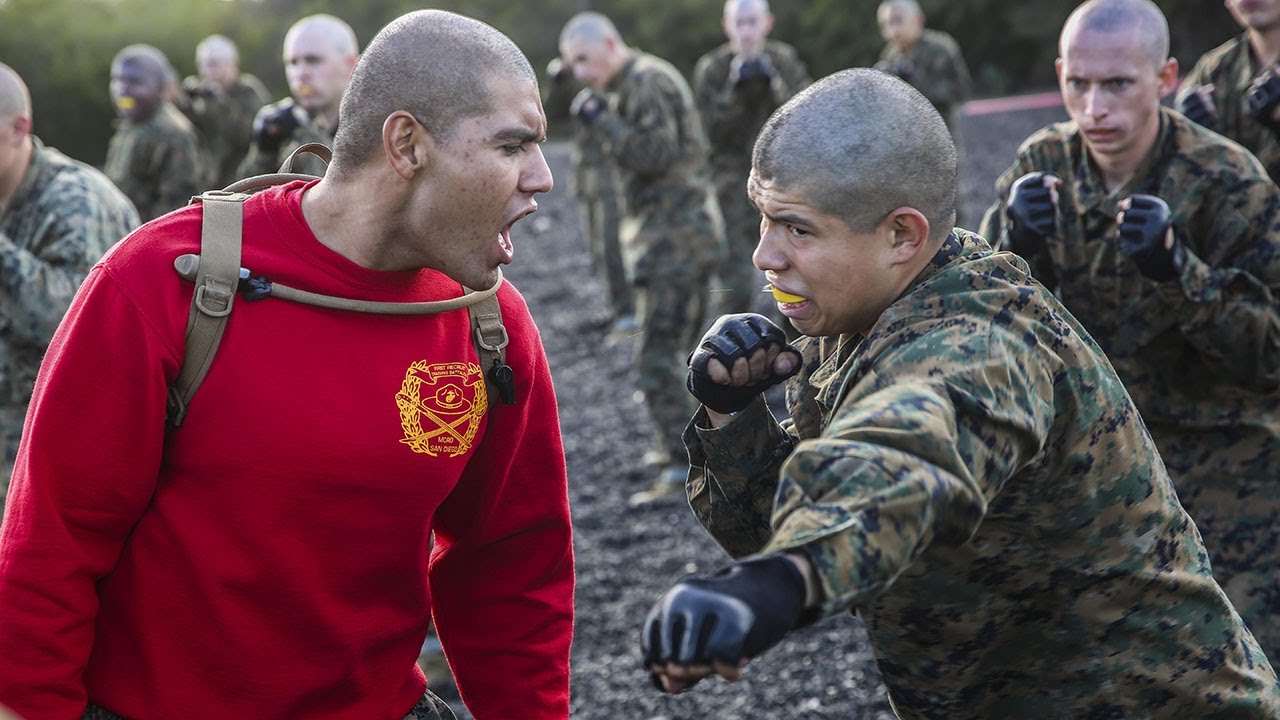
441,406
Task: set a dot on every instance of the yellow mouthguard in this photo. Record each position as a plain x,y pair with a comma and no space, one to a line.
126,103
785,297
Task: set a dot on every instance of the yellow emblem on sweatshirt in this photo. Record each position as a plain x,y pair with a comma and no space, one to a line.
441,406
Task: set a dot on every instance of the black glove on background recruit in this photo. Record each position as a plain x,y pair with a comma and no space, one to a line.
1142,234
587,105
1264,96
1194,107
1032,215
734,614
270,131
732,337
758,68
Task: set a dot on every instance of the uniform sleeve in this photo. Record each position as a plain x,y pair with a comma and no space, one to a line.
502,570
793,77
945,78
908,462
76,494
718,104
995,224
733,476
645,136
37,282
180,173
1226,297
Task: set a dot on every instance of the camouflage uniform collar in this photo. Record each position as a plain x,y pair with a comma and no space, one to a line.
628,68
31,178
841,360
1091,189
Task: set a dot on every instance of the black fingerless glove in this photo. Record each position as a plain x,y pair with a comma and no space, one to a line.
1032,215
732,337
1263,98
1194,108
271,129
731,615
587,105
1142,234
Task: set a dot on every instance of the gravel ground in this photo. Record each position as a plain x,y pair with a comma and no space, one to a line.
627,557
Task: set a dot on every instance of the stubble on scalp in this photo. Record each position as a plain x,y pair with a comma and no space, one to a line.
859,144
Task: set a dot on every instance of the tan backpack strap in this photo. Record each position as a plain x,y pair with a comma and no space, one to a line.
216,281
317,149
491,342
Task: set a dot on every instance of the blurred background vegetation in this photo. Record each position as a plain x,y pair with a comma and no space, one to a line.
63,48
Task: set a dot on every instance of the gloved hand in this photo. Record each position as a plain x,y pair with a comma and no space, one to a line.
1197,111
729,616
758,68
1032,214
194,86
1143,228
587,105
1264,96
732,337
271,130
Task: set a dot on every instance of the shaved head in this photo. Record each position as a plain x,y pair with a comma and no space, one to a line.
911,7
15,99
1108,17
860,144
433,64
217,46
733,6
333,31
588,27
148,58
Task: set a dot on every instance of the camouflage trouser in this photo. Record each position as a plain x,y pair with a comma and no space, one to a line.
1240,525
429,707
600,215
740,281
671,307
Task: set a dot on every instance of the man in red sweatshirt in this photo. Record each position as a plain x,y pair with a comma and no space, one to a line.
272,556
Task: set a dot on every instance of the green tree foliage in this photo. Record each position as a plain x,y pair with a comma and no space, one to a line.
63,48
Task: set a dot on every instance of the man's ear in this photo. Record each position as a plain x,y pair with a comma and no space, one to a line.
406,144
21,127
909,234
1168,77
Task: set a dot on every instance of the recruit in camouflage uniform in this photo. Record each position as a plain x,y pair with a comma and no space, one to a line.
1200,354
973,479
225,121
672,233
59,222
1232,69
732,114
934,66
596,185
155,161
267,158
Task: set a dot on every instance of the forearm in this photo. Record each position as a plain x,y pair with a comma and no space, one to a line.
1232,320
734,475
35,292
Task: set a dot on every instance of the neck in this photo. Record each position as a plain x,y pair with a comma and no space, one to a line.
354,218
1117,168
1265,43
10,180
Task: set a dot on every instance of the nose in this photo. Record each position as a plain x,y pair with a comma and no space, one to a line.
768,255
1093,103
537,175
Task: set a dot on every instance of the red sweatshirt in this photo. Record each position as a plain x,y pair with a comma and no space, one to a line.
269,559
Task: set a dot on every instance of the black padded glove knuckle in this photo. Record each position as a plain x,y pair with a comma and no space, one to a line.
1195,109
1142,234
1263,98
732,337
1031,214
731,615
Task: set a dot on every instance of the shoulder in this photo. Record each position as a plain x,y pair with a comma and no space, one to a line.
718,58
940,40
69,186
1220,57
1207,154
779,50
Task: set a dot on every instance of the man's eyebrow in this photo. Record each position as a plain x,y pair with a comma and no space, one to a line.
523,135
788,219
